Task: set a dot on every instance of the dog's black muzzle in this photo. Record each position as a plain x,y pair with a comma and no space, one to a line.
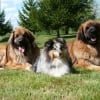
91,35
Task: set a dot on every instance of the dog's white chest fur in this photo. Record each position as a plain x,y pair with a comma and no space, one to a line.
56,68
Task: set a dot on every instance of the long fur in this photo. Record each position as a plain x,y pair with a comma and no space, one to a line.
15,59
51,62
85,49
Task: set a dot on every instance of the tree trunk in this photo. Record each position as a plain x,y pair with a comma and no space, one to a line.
66,30
34,32
49,32
58,33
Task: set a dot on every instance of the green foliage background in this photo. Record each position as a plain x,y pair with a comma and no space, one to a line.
5,26
55,14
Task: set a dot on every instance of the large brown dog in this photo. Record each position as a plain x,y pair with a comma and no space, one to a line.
85,49
20,51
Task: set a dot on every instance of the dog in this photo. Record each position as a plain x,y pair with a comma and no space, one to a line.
21,50
54,59
85,49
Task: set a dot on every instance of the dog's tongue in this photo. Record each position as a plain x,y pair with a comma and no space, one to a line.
93,39
22,50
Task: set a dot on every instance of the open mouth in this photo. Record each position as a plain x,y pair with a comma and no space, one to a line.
21,44
21,49
93,39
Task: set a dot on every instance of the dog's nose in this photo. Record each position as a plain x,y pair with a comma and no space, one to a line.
20,40
92,29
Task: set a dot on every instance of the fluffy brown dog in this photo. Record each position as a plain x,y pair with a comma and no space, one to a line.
21,50
85,49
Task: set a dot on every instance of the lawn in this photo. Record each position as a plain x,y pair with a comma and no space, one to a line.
41,39
24,85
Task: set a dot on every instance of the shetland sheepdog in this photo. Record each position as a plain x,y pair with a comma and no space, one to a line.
54,59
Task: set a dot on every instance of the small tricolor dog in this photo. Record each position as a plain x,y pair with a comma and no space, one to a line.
54,59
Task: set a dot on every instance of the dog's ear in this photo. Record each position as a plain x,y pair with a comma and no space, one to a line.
49,44
30,35
62,40
80,33
11,38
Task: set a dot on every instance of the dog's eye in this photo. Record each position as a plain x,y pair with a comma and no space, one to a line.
25,35
16,35
87,28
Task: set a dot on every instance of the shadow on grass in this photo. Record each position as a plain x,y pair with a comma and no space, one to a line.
81,71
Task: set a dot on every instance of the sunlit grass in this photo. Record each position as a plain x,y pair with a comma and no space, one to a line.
41,39
23,85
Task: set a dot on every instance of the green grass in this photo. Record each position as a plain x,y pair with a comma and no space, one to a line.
24,85
41,39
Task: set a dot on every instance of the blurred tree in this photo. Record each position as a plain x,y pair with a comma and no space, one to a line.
5,26
53,14
78,11
28,17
